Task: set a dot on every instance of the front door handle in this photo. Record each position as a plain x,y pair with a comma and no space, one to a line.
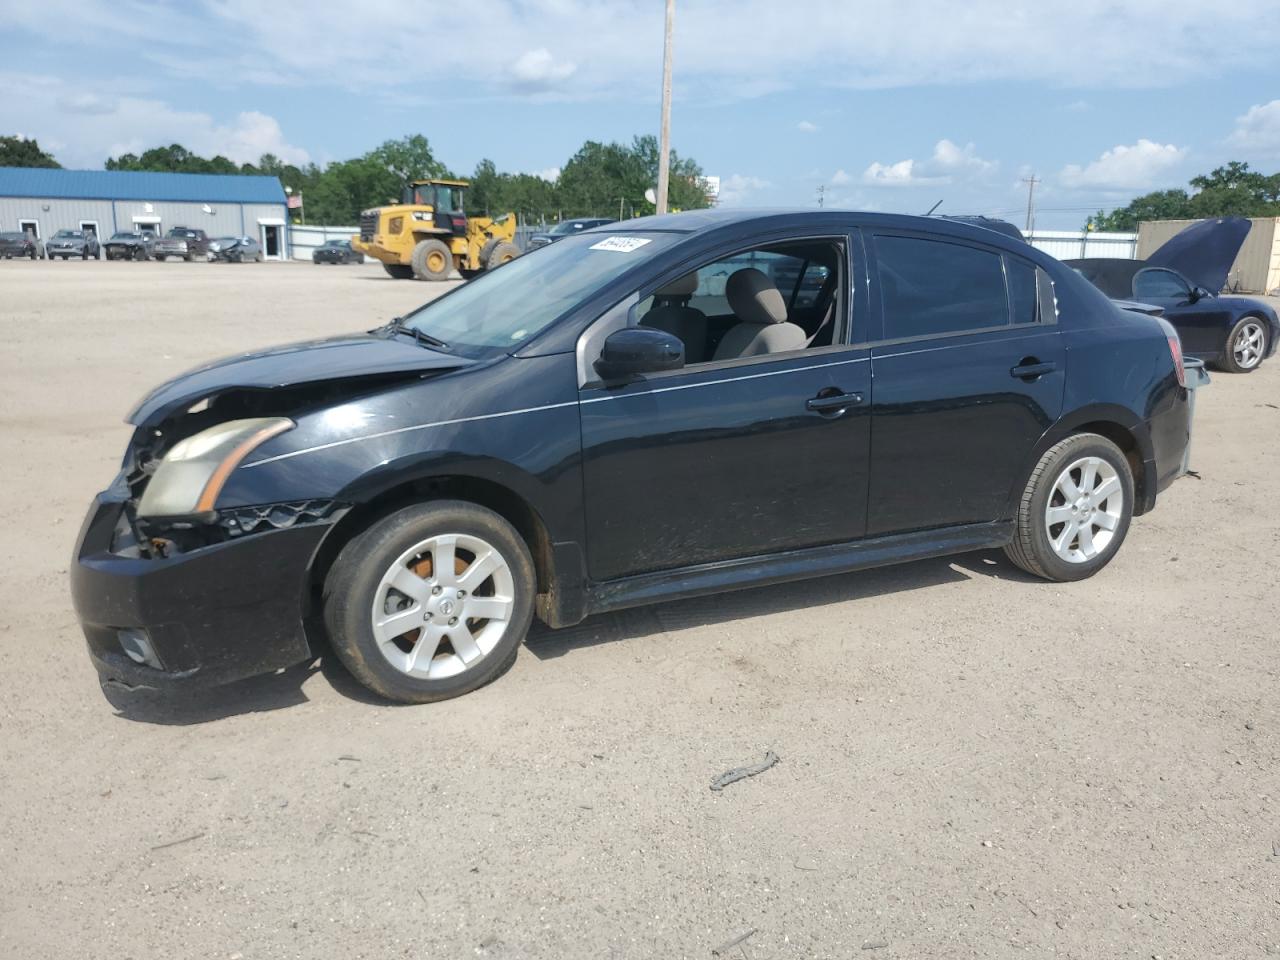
1032,369
832,402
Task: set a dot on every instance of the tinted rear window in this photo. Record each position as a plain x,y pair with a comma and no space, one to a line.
931,287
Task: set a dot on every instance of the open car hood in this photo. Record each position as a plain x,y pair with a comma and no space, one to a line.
1204,252
312,361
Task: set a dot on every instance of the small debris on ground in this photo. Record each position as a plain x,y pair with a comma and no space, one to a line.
806,863
174,843
726,947
741,773
875,944
347,756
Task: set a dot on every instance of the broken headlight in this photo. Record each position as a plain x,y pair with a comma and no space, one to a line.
192,473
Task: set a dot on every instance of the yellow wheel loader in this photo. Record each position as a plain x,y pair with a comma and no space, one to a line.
427,236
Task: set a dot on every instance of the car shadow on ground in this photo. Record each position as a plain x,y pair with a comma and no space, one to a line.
640,622
283,689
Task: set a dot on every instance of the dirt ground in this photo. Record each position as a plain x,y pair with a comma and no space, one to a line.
974,764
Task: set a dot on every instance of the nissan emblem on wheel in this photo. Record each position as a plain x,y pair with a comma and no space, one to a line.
675,406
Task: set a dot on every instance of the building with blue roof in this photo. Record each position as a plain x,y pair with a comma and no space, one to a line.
44,201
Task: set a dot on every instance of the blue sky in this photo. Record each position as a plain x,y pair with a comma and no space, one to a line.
886,105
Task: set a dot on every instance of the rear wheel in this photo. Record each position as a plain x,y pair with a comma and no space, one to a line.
398,270
1246,346
432,260
1075,511
430,602
502,252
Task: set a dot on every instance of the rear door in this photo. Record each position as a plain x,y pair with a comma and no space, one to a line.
969,371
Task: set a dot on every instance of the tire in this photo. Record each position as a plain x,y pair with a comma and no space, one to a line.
1245,346
502,252
432,260
398,271
139,254
1035,536
84,254
404,543
486,249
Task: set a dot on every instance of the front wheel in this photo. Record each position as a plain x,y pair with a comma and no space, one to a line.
503,252
1246,346
1075,510
431,260
430,602
398,271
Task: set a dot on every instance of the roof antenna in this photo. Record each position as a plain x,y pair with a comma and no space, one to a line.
934,207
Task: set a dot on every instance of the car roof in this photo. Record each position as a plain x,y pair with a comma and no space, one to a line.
752,220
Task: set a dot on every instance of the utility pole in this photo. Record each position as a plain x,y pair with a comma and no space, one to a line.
822,194
664,141
1031,182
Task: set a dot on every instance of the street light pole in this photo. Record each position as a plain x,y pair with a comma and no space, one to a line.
664,141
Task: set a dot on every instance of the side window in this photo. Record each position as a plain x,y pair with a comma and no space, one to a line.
774,299
1031,296
1164,284
931,287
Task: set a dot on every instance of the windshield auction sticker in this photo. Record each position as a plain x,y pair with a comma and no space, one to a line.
620,244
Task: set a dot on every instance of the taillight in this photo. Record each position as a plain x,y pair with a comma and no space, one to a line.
1175,350
459,222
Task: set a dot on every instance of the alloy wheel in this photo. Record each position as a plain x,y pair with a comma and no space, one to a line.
1084,509
443,606
1249,344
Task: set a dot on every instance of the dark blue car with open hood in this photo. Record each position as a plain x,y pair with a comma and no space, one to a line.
649,410
1182,277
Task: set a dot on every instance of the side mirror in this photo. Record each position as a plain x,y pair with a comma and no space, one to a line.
1199,293
638,350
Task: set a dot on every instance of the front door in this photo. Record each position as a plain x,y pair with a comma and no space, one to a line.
1202,323
271,241
730,457
968,376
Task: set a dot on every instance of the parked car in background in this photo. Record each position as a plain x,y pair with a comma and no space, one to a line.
235,249
181,242
73,243
568,435
1183,278
18,244
566,228
336,251
130,245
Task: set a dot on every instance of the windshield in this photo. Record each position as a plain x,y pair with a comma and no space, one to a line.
569,226
125,235
502,309
68,233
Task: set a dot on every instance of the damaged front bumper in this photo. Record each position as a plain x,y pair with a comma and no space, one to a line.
217,613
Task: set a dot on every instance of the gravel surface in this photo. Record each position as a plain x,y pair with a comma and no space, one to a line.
973,763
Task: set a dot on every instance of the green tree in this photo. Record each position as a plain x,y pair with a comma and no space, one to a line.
24,152
1230,190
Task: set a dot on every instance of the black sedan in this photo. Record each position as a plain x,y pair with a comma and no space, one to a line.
17,244
566,228
600,425
1234,333
336,251
129,245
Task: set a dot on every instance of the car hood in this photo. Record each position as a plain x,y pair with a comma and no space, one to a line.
1204,252
312,361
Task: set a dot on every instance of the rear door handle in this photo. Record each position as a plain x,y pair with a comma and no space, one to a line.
1032,369
828,403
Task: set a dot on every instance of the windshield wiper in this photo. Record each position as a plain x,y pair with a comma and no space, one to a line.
397,325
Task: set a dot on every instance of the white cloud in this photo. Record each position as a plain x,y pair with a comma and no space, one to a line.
85,129
584,48
550,174
1259,129
807,126
735,189
1140,166
949,162
539,70
840,178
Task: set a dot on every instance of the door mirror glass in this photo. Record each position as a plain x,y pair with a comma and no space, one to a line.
638,350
